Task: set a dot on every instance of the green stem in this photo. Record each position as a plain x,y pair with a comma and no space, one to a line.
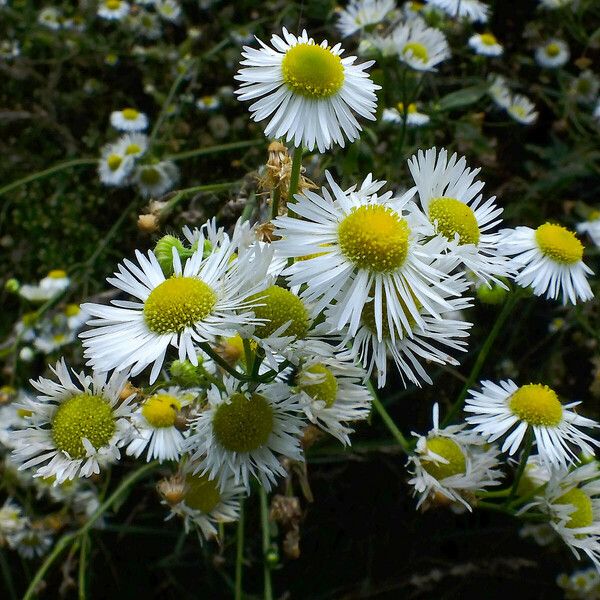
222,363
78,162
275,202
266,543
180,194
389,422
215,149
82,576
294,177
481,357
239,557
522,464
7,576
249,356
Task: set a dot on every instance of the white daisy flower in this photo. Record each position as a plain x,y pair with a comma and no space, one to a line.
555,4
242,434
552,54
50,286
454,208
505,408
50,17
451,463
308,90
155,425
208,103
360,14
584,88
31,542
12,519
154,180
128,119
201,502
203,299
499,90
74,428
332,393
115,167
522,109
550,260
413,9
591,227
113,9
414,118
170,10
486,44
419,46
472,10
148,24
583,584
356,246
132,144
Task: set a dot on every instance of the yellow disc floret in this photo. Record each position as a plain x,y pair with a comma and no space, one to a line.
583,515
161,410
454,216
243,424
411,109
537,405
319,383
150,175
177,303
374,237
278,307
449,450
416,50
488,39
201,493
559,244
114,161
552,49
131,114
312,71
112,4
133,149
82,416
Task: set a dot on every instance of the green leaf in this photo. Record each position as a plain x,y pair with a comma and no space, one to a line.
463,97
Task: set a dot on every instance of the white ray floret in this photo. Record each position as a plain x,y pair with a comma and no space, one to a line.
421,47
472,10
486,44
360,14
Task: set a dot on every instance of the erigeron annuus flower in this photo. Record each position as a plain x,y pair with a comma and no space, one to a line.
50,286
360,14
499,90
332,393
203,299
156,179
591,227
50,17
170,10
583,584
113,9
521,109
74,428
309,92
132,144
115,167
472,10
550,260
157,425
356,246
451,462
413,117
242,434
552,54
584,88
485,44
32,541
200,501
505,408
454,208
12,519
128,119
419,46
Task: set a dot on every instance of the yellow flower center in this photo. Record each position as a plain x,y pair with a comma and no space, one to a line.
319,383
518,110
552,49
416,50
72,310
449,450
278,307
488,39
161,410
454,216
583,515
201,493
374,237
82,416
114,161
131,114
416,6
244,424
133,149
537,405
57,274
177,303
411,110
559,244
312,71
112,4
150,175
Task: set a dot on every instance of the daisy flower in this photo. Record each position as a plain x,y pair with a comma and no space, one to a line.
472,10
157,179
583,584
591,227
115,166
243,433
114,10
50,286
552,54
584,88
308,90
413,9
419,46
486,44
451,463
201,502
521,109
132,144
450,197
356,246
550,260
555,4
360,14
203,299
506,408
168,10
414,118
50,17
12,519
499,90
332,393
157,425
31,542
129,119
74,428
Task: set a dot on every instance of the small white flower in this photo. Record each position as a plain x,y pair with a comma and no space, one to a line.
486,44
208,103
155,180
115,167
11,519
521,109
591,227
555,4
50,286
419,46
132,144
113,9
129,119
31,542
360,14
584,88
499,90
472,10
170,10
413,117
50,17
505,408
552,54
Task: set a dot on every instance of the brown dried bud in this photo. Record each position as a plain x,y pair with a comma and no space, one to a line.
172,489
285,510
310,436
148,223
264,232
291,543
127,391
